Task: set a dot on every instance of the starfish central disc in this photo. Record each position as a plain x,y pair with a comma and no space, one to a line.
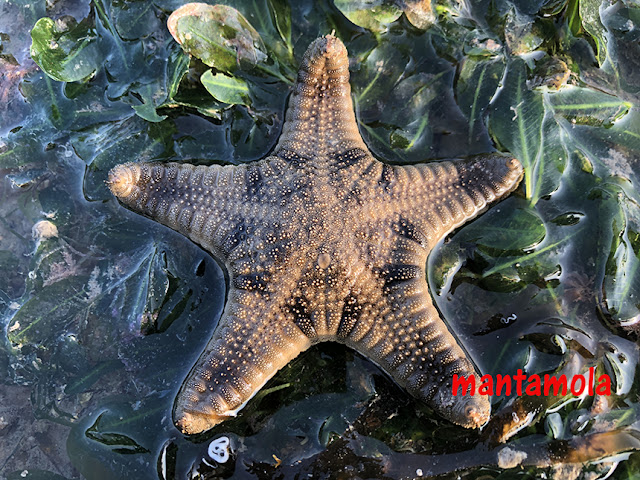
321,242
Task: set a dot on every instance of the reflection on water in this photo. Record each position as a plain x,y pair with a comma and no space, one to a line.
103,312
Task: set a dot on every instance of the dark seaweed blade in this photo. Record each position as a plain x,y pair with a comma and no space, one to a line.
118,442
620,262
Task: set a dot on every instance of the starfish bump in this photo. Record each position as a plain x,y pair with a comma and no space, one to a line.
322,243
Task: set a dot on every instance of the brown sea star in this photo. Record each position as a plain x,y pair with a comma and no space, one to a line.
322,242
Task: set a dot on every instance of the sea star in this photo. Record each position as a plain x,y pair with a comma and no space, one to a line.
322,242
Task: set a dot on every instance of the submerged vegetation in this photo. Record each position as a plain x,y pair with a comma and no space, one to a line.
103,313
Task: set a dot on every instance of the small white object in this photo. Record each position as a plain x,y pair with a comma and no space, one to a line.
219,449
510,458
43,230
511,318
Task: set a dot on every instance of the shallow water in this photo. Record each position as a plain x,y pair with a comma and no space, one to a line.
103,312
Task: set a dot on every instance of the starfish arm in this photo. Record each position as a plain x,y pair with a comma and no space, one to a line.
212,205
250,344
320,122
435,198
400,330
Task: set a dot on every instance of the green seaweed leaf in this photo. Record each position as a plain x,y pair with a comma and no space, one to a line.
226,89
479,79
280,12
56,304
418,93
147,109
505,241
134,20
419,12
591,22
178,67
386,78
377,15
521,33
516,230
546,126
218,35
515,266
65,50
608,151
587,106
620,208
72,292
515,119
162,92
374,15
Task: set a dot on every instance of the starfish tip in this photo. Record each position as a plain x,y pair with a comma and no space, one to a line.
516,169
123,179
329,47
197,422
477,418
514,165
471,411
